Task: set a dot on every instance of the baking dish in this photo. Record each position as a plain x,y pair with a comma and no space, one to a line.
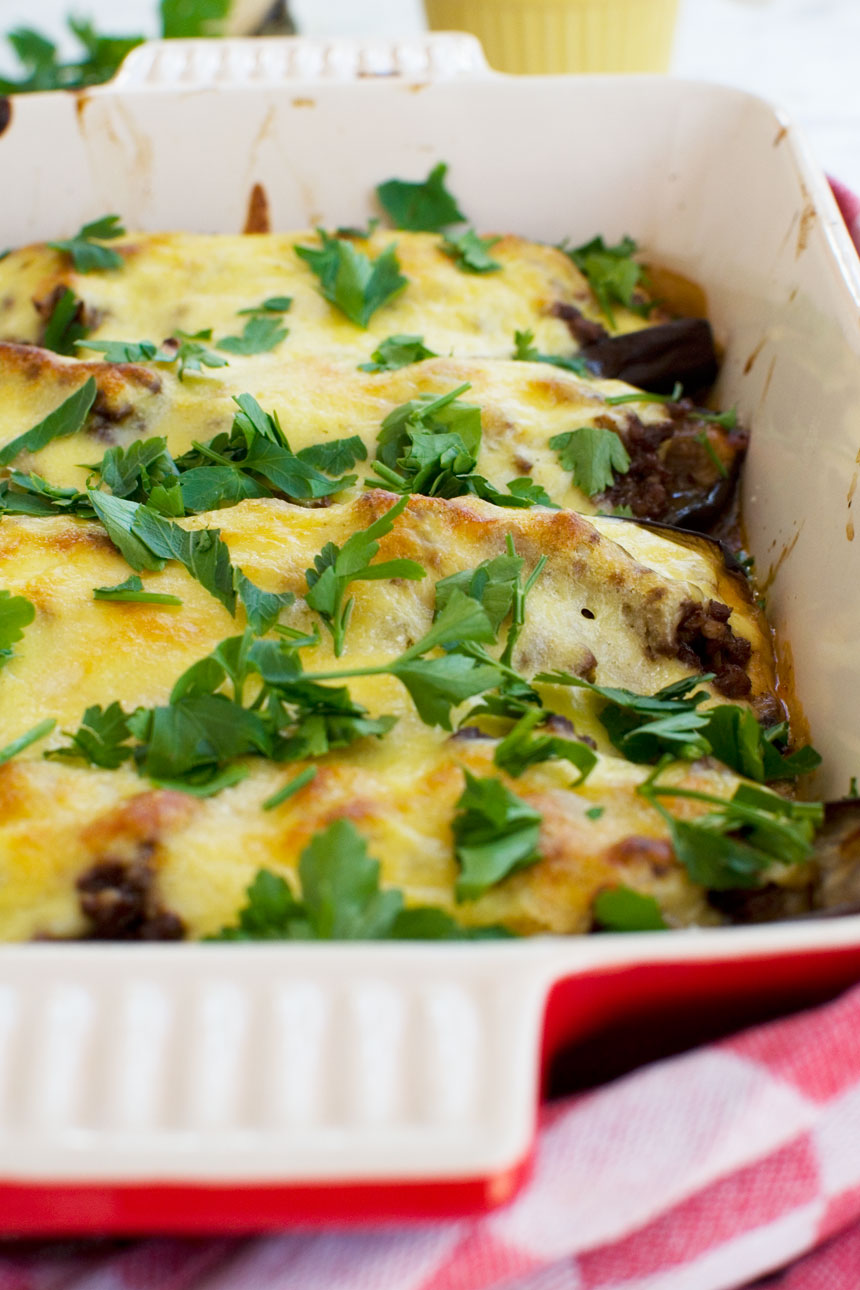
243,1087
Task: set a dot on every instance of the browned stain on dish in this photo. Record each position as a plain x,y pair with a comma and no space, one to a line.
780,135
807,218
792,295
780,560
417,86
5,113
258,220
748,365
786,691
852,488
767,381
304,103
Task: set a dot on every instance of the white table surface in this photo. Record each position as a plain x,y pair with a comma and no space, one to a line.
801,54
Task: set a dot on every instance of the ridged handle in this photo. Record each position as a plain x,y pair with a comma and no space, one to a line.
205,64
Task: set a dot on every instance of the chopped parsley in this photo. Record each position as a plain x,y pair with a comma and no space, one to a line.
740,837
593,455
335,568
187,351
29,737
86,250
430,445
273,305
621,909
65,420
645,396
471,253
341,899
42,69
290,789
349,279
495,834
612,273
260,334
424,207
395,352
644,727
525,351
64,327
132,591
522,747
594,812
16,613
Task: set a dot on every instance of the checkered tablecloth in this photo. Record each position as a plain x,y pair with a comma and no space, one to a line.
699,1173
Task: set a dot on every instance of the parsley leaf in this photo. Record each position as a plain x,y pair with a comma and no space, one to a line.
43,70
495,834
273,305
204,554
531,492
736,738
262,608
189,354
612,273
522,748
16,613
592,454
336,567
341,899
22,494
132,591
257,446
183,18
131,472
101,739
85,249
395,352
524,351
290,789
425,207
117,515
621,909
260,335
645,396
493,584
65,420
29,737
350,280
470,252
335,456
732,844
126,351
64,328
727,420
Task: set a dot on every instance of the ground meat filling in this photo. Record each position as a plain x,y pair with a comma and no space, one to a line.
705,640
120,900
681,472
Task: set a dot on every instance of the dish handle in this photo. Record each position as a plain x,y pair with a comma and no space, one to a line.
231,63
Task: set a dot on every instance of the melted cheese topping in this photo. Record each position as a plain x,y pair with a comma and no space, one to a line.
56,820
607,605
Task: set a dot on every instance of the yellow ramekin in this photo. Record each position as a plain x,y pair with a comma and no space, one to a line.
564,35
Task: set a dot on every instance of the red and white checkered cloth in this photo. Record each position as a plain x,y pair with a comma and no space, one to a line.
699,1173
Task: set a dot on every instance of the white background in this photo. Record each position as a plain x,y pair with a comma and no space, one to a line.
801,54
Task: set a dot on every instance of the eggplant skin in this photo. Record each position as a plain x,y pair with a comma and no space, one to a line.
654,358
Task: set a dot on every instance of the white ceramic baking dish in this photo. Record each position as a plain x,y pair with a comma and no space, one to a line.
240,1087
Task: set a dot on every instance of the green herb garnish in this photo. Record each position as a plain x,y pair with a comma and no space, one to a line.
65,420
132,591
64,327
495,834
523,747
621,909
16,613
645,396
396,352
336,567
470,252
425,207
525,351
612,273
85,249
593,455
260,334
350,280
29,737
341,899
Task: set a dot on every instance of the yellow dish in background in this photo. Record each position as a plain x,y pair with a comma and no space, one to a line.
564,35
